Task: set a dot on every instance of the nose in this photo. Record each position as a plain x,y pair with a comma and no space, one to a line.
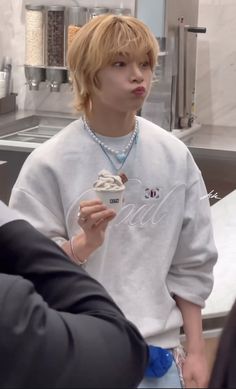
136,74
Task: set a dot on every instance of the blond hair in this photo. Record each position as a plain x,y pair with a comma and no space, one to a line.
97,44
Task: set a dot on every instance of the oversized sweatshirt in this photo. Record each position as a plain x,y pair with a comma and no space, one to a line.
161,242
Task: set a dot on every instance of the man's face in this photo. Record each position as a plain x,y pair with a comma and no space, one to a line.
124,84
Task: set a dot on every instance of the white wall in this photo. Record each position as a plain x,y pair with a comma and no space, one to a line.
216,63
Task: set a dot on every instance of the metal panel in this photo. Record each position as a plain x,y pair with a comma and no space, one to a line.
171,101
179,15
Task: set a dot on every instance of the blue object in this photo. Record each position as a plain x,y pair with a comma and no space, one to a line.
160,360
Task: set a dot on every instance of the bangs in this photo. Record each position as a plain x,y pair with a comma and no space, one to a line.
127,42
125,36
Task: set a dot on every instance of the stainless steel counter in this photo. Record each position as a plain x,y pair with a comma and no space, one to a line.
213,138
26,130
10,117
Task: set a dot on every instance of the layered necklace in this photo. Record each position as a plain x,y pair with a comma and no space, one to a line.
117,158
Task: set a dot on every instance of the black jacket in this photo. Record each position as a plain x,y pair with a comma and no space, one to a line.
224,369
58,326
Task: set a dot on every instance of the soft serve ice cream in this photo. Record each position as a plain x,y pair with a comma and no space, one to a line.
108,182
110,189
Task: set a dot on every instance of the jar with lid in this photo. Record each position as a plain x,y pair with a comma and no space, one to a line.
120,11
95,11
77,17
55,36
34,35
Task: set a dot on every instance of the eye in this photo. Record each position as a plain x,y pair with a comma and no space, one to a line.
145,64
119,64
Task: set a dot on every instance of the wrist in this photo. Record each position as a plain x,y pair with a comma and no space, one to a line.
76,252
80,248
197,347
87,244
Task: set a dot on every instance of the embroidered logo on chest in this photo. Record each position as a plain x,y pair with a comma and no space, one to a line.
152,193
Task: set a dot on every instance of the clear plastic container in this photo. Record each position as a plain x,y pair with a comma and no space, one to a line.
120,11
34,35
77,17
95,11
55,55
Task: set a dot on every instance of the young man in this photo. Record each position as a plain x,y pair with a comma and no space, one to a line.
59,328
160,246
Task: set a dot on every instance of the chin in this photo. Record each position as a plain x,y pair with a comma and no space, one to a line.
137,106
130,107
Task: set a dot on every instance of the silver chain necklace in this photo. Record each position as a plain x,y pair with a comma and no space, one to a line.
122,154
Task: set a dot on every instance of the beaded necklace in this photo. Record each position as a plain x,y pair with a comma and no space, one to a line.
120,155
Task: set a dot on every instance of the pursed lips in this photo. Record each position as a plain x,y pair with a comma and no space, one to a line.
140,91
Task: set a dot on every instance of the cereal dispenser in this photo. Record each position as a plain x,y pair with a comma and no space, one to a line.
56,72
77,17
45,46
34,45
55,36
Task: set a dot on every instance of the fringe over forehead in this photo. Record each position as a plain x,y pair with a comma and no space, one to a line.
106,36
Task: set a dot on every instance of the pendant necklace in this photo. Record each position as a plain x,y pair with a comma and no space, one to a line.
119,156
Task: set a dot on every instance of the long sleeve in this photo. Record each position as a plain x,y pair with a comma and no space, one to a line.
191,272
80,339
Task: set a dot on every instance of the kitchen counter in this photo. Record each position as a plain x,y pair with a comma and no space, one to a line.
212,137
10,117
23,131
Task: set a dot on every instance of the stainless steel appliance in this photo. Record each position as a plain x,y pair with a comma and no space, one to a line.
175,25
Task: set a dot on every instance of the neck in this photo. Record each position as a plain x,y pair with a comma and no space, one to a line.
113,124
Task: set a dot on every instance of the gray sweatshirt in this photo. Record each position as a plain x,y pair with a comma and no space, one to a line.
159,245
